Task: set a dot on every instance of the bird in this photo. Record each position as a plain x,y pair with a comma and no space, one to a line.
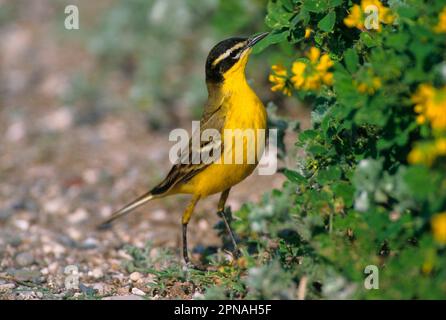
231,105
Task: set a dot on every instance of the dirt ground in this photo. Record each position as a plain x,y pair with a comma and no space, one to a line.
60,175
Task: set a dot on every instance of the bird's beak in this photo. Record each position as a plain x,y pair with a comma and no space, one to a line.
254,39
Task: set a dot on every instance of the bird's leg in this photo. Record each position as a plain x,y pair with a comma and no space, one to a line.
185,220
222,215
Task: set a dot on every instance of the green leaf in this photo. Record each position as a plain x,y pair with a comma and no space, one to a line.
335,3
344,190
316,5
419,181
368,40
307,135
278,17
294,176
351,60
273,38
327,22
332,173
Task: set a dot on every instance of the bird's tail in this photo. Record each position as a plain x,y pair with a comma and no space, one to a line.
127,209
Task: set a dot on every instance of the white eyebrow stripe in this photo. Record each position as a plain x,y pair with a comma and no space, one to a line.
227,53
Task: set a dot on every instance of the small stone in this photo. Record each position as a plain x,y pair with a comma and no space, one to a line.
126,297
21,224
89,243
78,216
58,120
24,259
14,240
135,276
198,296
27,275
203,224
97,273
138,292
159,215
39,294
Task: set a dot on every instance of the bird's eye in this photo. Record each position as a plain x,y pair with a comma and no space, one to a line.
235,54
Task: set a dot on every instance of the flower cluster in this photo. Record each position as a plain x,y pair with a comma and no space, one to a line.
441,26
279,78
310,75
361,16
430,105
307,74
427,152
438,223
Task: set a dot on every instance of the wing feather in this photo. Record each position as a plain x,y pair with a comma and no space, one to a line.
182,171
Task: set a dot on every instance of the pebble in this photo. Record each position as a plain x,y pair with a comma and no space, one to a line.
126,297
138,292
89,243
97,273
135,276
14,240
24,259
21,224
27,275
78,216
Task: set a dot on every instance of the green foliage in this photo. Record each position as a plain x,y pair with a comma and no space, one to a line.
354,200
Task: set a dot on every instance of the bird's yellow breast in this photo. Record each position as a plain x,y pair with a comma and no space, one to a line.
244,112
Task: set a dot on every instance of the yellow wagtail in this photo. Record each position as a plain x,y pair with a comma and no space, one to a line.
231,104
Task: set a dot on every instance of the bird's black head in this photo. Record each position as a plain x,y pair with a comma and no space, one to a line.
226,54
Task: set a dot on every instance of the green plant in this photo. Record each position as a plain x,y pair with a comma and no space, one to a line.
372,186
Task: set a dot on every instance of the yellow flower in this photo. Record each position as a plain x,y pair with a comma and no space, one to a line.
314,54
415,156
438,223
427,152
298,69
359,15
328,78
307,32
311,75
441,26
325,63
312,82
279,79
430,105
440,146
421,119
355,18
369,87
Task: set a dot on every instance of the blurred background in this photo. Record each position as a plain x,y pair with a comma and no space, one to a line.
84,122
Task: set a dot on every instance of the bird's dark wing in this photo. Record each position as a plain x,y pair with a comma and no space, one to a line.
185,169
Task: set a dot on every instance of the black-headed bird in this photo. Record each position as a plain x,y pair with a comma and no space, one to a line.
232,105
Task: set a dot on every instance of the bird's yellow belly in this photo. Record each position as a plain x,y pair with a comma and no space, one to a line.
225,173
